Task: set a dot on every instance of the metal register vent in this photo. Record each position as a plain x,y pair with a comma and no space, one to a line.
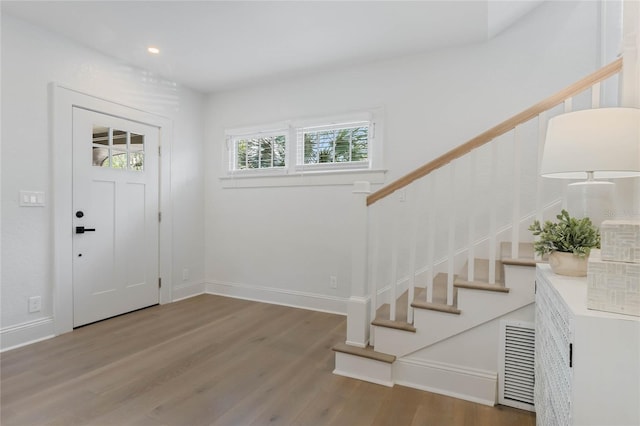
516,375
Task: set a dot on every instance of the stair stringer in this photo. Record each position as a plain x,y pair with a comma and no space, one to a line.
477,307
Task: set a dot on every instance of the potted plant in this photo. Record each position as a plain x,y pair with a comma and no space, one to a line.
568,243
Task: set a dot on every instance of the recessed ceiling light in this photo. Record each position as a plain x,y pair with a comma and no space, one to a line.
153,50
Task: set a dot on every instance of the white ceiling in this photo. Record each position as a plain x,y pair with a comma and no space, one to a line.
217,45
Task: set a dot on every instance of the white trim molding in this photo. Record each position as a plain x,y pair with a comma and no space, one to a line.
309,178
358,321
278,296
461,382
26,333
185,291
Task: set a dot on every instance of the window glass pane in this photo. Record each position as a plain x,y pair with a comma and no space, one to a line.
337,145
325,146
343,145
241,155
279,151
100,156
136,161
360,144
100,135
137,142
118,159
119,138
260,152
310,148
252,154
136,152
266,152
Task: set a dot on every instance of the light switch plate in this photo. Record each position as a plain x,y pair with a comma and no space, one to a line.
31,199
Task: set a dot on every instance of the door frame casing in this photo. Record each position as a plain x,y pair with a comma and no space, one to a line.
62,102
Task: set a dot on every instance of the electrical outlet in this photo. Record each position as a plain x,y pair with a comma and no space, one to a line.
185,274
35,304
333,281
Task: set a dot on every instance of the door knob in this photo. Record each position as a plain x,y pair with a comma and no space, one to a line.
82,229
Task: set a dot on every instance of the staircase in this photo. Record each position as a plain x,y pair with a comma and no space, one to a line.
443,255
475,303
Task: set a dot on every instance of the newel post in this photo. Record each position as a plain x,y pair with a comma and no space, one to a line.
358,305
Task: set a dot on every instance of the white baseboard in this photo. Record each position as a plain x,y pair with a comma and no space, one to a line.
292,298
185,291
446,379
18,335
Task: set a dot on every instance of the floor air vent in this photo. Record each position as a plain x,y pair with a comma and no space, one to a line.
516,375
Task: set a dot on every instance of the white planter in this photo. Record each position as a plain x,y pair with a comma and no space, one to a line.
568,264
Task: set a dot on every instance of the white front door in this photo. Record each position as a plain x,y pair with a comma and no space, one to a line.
115,216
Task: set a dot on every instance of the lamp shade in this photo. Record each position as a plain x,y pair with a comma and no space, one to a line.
605,141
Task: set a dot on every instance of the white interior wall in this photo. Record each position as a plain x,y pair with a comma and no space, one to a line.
31,59
292,239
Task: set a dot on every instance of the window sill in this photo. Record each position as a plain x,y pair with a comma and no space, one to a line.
315,178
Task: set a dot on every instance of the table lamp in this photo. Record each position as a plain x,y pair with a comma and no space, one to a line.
589,145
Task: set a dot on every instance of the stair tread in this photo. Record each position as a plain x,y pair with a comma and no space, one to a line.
481,285
435,307
522,261
367,352
398,325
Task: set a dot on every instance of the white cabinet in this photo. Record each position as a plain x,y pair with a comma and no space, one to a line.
587,367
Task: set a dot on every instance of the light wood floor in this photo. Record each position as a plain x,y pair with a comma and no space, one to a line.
218,361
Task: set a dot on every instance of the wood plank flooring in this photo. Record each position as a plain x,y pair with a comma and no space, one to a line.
212,360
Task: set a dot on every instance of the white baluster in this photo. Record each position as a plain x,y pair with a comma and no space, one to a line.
473,203
395,205
595,96
452,233
431,234
568,105
493,212
515,213
413,201
542,131
375,260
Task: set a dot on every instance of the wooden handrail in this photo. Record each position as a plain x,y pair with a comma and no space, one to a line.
499,130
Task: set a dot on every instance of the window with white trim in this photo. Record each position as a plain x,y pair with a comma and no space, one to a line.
259,151
338,143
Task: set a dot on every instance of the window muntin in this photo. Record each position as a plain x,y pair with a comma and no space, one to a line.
117,149
333,144
259,151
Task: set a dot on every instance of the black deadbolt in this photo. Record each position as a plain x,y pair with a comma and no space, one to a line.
79,213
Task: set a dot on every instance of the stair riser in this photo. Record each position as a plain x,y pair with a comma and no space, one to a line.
521,278
369,370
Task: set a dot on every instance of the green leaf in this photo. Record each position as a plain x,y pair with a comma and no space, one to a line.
568,234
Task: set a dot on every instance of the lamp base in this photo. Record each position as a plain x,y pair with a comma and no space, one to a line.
593,199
